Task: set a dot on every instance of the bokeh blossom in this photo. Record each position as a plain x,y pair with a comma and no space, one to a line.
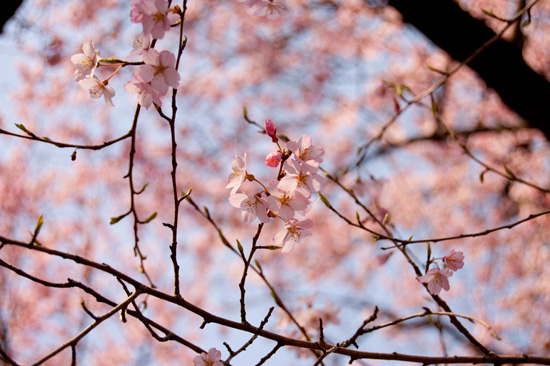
271,8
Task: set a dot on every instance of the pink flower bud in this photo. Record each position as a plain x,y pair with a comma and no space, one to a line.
271,130
273,159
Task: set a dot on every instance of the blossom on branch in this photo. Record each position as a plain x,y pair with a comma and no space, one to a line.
145,92
454,260
436,279
285,202
154,16
302,178
212,358
159,70
98,88
239,173
293,232
86,62
271,130
273,159
305,152
142,43
251,206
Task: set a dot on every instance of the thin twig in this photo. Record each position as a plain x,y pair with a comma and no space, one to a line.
79,336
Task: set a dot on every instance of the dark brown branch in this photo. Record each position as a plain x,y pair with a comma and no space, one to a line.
211,318
501,65
169,335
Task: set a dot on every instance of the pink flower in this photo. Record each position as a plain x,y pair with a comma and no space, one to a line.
136,14
239,173
146,94
251,206
293,232
142,43
273,159
159,70
305,152
86,62
97,89
271,130
154,16
272,8
285,203
454,260
436,279
212,358
301,178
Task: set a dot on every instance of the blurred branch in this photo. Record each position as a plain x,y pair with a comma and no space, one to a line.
439,136
428,11
98,320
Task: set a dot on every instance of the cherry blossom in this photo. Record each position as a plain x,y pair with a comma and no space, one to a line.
302,178
271,130
454,260
136,13
142,43
86,62
154,16
212,358
159,70
239,173
251,206
272,8
97,88
285,202
273,159
305,152
293,232
436,279
146,94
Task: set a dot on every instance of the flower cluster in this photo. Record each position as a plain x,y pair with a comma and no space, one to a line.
155,77
212,358
288,196
85,64
270,8
438,278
